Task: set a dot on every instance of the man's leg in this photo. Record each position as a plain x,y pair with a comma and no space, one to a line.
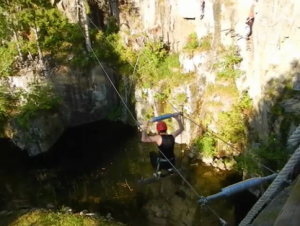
154,159
170,168
167,166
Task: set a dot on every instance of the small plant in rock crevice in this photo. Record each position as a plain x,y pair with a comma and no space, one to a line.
181,98
39,99
25,106
115,114
205,145
194,44
228,63
271,153
8,105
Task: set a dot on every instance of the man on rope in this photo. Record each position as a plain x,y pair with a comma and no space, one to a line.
165,143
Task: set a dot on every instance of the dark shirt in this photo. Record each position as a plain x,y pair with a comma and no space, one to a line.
167,146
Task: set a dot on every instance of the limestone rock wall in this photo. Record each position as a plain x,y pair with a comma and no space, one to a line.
86,96
268,43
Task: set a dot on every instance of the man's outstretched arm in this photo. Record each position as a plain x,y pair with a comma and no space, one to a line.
145,137
181,127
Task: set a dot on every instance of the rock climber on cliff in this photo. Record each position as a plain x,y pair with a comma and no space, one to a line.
165,143
249,24
202,9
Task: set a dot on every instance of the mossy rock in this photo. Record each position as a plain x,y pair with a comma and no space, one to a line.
49,218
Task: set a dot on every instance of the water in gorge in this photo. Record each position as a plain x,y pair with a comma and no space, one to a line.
96,167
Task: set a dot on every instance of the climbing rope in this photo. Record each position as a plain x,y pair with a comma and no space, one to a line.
294,140
273,188
279,181
223,222
181,135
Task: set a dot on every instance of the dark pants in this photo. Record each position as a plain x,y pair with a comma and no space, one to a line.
154,159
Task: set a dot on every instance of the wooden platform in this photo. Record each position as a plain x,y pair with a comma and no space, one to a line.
290,214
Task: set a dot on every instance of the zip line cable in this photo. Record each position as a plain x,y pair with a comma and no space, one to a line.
138,124
192,121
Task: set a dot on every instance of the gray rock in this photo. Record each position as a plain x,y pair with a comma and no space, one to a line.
291,105
50,206
159,221
87,97
83,212
165,213
296,81
4,213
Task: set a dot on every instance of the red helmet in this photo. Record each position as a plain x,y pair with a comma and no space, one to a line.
161,126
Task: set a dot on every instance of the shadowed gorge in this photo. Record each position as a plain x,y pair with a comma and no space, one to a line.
96,167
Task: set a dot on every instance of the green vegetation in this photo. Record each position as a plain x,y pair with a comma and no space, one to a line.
36,29
156,64
49,218
115,114
38,100
181,98
233,123
194,44
8,102
29,24
223,87
161,96
26,105
227,63
232,126
149,113
271,153
206,145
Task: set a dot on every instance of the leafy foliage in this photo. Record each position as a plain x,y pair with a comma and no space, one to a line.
39,99
45,218
271,153
227,64
233,122
8,103
25,105
193,43
56,36
8,53
206,145
115,114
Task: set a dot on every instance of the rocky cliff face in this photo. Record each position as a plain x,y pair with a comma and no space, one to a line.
264,35
87,96
265,40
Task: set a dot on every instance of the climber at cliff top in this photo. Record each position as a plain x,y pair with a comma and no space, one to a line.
165,143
